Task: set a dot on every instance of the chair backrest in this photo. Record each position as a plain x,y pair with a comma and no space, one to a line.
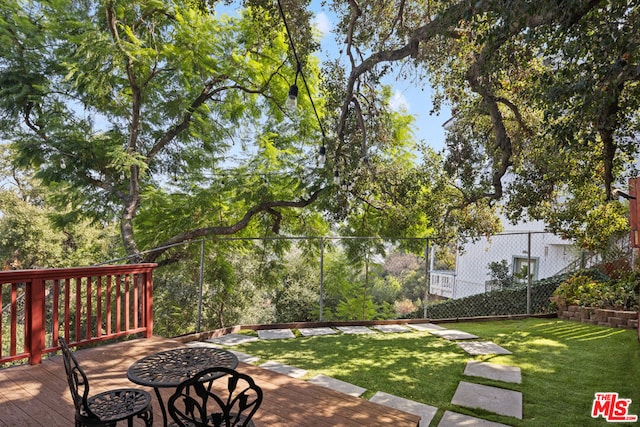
227,401
78,382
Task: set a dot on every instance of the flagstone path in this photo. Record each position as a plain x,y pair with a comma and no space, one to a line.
338,385
427,412
310,332
498,400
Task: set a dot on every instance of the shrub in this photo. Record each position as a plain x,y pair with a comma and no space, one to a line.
577,288
589,291
500,274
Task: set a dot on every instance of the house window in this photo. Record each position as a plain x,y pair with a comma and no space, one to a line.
521,267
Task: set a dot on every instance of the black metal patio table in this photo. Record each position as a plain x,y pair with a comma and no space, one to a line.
171,367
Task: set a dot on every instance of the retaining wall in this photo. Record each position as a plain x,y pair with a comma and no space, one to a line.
599,316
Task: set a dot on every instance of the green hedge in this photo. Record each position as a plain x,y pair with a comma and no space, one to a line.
499,302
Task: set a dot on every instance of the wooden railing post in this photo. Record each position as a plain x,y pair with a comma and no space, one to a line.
35,316
148,302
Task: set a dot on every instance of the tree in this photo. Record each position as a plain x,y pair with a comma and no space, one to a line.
29,234
296,299
163,116
500,273
544,95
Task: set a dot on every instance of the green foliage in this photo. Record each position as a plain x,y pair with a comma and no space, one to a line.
385,311
153,104
500,273
31,235
371,290
587,291
28,239
358,307
232,289
296,300
588,286
386,289
175,300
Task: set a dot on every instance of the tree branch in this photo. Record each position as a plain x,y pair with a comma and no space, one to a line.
207,93
266,206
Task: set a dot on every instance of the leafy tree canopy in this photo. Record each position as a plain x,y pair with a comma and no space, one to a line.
159,114
544,95
169,118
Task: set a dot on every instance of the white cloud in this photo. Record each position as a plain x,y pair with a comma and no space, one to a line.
322,23
399,102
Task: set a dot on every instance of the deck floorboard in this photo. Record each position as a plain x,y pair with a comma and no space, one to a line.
39,395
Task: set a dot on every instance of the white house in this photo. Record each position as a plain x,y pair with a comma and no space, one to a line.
525,247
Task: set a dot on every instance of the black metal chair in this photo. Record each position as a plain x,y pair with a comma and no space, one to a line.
202,403
107,408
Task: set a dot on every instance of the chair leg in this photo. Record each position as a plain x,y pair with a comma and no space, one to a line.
147,417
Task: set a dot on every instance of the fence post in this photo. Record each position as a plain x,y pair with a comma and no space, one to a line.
34,310
427,277
366,284
529,274
200,286
321,276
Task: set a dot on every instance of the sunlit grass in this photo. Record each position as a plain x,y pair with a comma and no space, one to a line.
563,365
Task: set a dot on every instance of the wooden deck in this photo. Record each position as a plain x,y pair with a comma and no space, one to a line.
39,395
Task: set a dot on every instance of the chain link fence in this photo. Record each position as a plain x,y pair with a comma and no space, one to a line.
227,281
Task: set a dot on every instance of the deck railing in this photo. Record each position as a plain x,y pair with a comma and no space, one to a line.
84,305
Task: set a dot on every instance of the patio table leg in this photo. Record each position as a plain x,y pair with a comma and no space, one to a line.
162,408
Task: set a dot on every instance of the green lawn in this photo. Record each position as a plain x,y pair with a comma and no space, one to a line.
563,365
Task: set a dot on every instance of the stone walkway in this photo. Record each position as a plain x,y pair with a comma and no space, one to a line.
498,400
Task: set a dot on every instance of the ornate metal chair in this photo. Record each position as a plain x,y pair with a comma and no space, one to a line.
107,408
202,403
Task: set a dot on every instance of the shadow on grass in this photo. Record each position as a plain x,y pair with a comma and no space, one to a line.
563,365
413,365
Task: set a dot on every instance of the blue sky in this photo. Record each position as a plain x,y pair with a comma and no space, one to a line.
416,100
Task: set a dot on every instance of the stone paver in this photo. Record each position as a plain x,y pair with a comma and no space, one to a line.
244,357
281,368
312,332
355,330
497,400
453,419
453,334
232,339
338,385
493,371
478,348
275,334
425,411
391,328
202,344
425,327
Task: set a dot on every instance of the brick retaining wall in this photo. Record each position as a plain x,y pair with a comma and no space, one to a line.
599,316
